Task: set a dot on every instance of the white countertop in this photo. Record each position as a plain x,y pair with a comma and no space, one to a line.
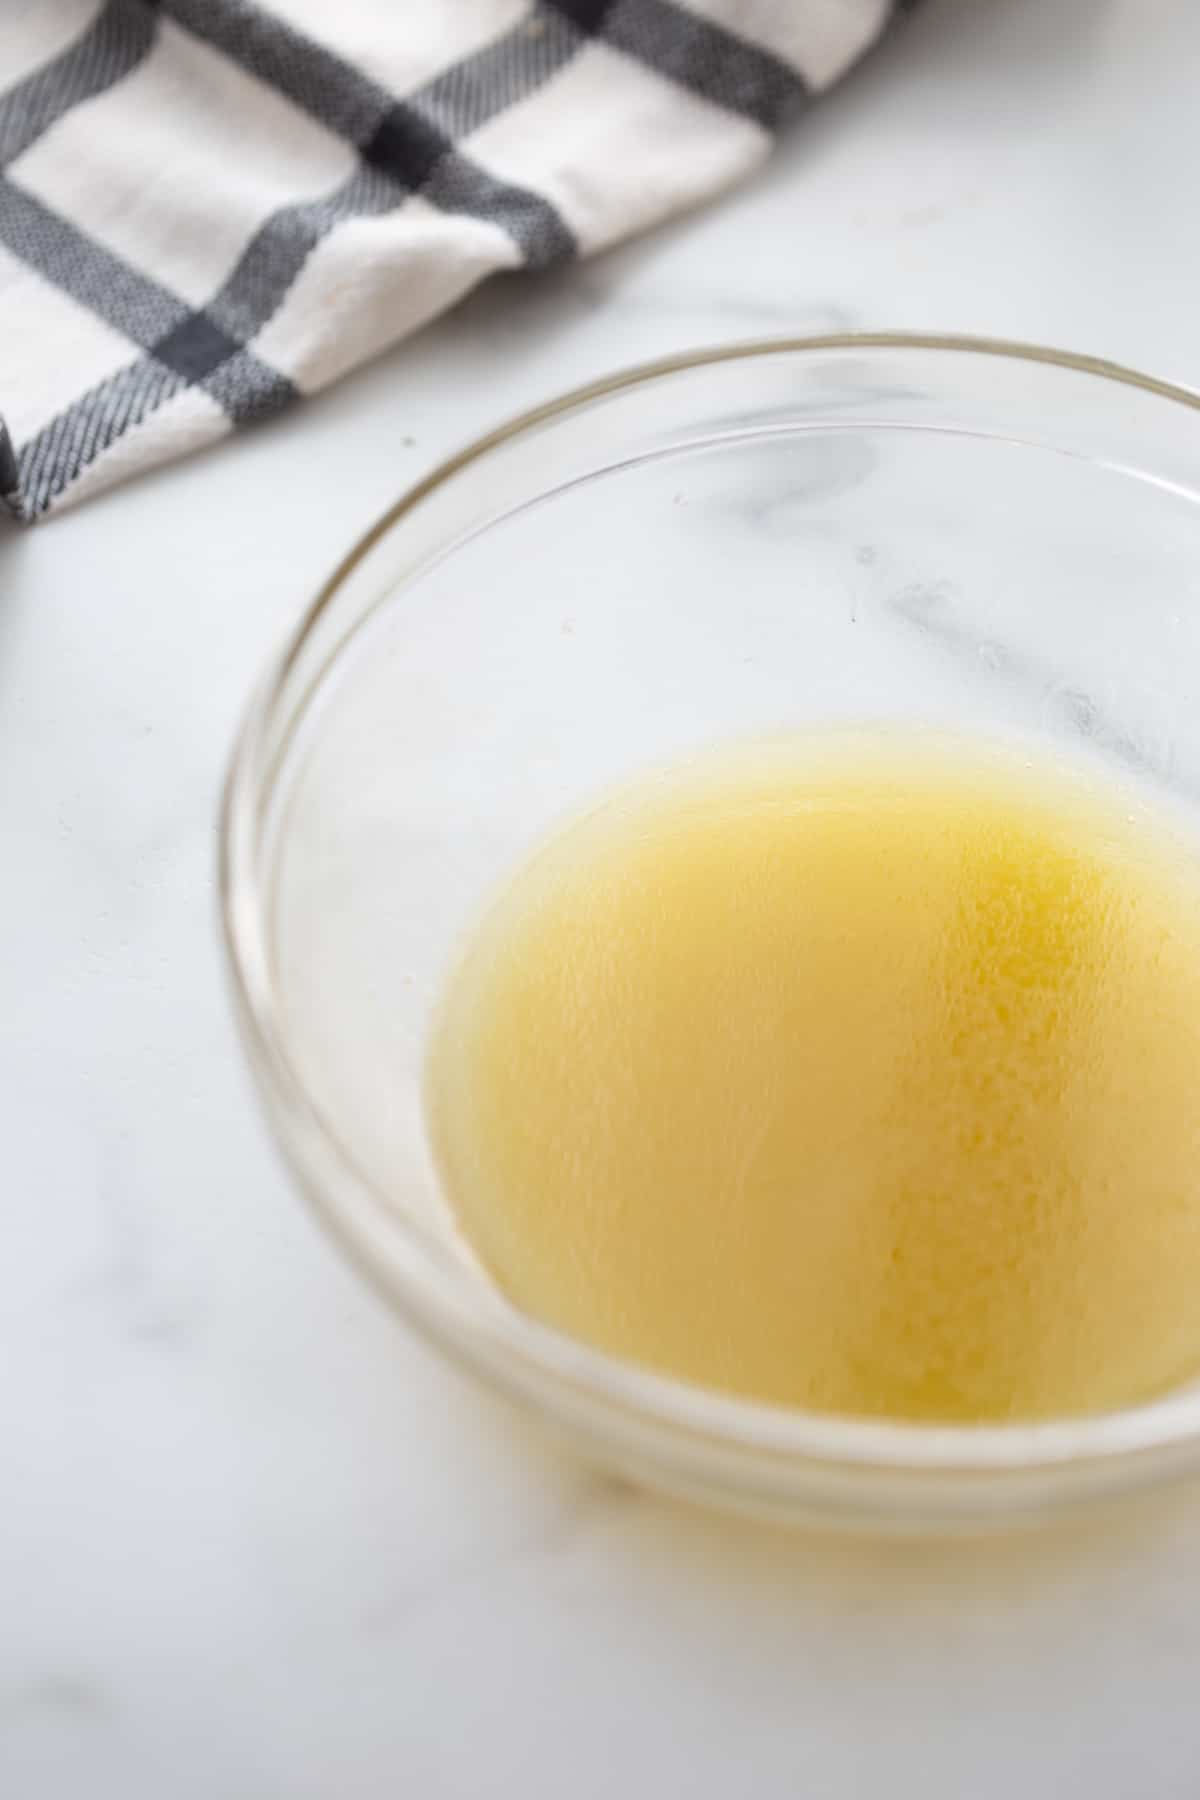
256,1543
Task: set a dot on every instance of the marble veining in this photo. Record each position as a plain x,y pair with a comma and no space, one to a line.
61,1692
940,616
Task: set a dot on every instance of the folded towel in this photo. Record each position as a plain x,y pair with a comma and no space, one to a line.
211,207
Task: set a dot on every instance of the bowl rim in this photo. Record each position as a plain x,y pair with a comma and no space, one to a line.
506,1348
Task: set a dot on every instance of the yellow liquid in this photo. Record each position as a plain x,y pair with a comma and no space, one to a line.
854,1073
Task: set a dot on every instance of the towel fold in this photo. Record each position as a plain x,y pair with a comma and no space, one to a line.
209,208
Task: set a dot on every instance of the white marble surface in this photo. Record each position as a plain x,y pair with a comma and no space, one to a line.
255,1542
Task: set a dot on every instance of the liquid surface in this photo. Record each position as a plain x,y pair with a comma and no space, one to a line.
853,1073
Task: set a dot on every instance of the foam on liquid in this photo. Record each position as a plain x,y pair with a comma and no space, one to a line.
858,1073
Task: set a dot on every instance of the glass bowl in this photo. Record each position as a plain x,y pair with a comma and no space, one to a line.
973,535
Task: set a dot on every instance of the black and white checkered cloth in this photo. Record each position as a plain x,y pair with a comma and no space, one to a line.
211,207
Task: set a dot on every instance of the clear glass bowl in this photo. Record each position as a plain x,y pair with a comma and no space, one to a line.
973,535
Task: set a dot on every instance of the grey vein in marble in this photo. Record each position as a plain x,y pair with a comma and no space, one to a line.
924,607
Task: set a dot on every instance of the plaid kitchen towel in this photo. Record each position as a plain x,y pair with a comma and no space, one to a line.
211,207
